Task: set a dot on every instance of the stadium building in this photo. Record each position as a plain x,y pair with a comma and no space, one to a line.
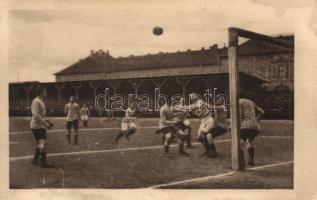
265,70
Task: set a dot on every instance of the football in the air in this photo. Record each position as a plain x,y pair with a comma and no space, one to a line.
157,31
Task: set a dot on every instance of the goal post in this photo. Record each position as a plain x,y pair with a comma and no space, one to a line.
234,34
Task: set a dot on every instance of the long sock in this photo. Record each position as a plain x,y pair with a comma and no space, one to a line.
204,142
130,132
76,139
251,155
166,148
68,138
241,158
212,150
181,148
44,163
188,140
119,136
36,156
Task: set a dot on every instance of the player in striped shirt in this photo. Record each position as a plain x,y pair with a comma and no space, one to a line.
128,125
250,114
202,110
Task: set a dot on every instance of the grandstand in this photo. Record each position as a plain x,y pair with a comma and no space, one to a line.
269,68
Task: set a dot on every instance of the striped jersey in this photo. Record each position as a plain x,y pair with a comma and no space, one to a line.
200,109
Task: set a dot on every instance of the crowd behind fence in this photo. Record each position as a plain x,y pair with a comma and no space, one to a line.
277,105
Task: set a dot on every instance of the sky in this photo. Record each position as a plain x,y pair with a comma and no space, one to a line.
45,41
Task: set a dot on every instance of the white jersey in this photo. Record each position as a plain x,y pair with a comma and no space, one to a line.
165,114
72,111
180,112
129,115
38,114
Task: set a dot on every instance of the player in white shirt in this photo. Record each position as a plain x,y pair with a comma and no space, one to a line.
221,122
39,124
128,125
250,114
181,114
84,113
203,111
169,130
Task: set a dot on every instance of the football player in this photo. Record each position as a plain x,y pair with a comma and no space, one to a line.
39,124
169,130
72,111
202,110
250,114
221,122
128,125
181,117
84,113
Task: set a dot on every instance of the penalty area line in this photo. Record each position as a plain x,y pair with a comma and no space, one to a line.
130,149
80,130
106,151
207,178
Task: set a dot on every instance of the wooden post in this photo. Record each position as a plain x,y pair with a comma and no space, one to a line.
59,93
27,89
234,103
95,86
76,88
136,85
159,84
115,85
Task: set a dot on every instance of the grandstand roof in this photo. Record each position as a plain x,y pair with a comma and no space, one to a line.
105,63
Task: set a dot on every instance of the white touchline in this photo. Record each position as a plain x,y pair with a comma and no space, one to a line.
206,178
105,151
81,130
129,149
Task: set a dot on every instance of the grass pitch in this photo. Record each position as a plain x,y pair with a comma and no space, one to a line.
97,162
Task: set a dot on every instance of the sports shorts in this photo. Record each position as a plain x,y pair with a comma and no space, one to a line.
217,131
39,133
72,124
248,134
